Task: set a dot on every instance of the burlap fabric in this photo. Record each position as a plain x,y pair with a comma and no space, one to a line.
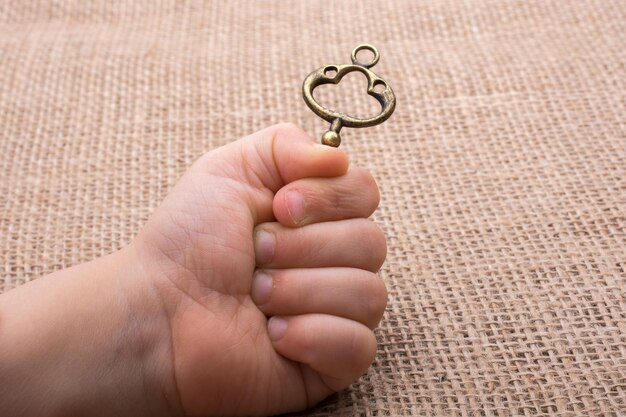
503,170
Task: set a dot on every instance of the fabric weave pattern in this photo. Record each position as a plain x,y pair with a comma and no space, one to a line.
502,171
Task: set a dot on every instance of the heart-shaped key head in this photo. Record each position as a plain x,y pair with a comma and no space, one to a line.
332,74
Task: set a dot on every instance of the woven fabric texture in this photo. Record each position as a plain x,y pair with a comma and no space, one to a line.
502,171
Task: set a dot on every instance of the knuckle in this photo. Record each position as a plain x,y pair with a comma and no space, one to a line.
377,244
318,201
369,187
286,129
377,299
359,191
354,341
365,345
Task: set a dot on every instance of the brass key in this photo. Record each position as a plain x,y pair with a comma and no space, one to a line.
332,74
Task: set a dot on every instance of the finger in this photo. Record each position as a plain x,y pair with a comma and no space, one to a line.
313,200
275,156
351,293
354,243
340,350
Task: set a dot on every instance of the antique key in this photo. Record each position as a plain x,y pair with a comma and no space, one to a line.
332,74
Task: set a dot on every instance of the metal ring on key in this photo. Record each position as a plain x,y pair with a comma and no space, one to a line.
332,74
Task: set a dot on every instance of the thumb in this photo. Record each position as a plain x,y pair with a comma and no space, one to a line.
280,154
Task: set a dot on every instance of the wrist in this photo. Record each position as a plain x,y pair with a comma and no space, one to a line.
88,340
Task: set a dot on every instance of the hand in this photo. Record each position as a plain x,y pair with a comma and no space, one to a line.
270,225
176,323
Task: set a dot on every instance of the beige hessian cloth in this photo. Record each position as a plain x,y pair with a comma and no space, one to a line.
503,170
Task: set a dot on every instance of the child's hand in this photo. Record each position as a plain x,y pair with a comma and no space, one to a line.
175,323
270,225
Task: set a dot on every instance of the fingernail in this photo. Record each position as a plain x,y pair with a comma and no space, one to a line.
295,206
276,327
262,286
264,245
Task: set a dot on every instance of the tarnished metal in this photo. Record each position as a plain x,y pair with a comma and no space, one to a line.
332,74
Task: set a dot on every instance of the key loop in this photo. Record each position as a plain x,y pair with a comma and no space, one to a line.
332,74
365,47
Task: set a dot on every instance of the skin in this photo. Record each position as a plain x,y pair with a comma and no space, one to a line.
176,323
